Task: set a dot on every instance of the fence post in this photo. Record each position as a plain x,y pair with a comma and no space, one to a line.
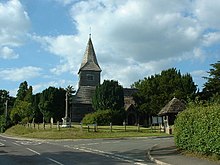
124,123
138,127
58,125
88,127
111,127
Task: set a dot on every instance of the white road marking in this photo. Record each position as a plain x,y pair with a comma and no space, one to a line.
16,144
54,161
3,140
33,151
109,155
1,144
47,157
28,143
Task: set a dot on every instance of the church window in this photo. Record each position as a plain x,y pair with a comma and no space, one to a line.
90,77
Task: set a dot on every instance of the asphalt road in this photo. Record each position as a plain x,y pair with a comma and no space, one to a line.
64,152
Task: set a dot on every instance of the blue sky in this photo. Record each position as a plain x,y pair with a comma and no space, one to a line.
43,41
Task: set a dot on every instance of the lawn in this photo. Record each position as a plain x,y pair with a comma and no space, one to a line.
81,132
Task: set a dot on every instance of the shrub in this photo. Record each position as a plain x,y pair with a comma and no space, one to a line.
197,129
103,117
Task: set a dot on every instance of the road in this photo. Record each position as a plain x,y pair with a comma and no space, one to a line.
15,151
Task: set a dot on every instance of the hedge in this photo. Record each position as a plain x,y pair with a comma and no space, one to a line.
197,129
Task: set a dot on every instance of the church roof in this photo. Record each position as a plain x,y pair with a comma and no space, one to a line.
84,95
90,61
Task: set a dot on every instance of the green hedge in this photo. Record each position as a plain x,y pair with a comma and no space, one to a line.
104,117
197,129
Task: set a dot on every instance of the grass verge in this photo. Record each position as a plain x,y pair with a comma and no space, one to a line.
78,132
214,157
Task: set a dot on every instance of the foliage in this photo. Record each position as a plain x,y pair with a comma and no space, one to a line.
4,95
5,123
22,110
99,117
52,103
23,104
109,95
104,117
22,90
37,115
197,129
156,91
212,86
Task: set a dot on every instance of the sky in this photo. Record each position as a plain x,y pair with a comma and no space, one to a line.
43,41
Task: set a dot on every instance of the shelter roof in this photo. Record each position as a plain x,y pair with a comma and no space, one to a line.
173,107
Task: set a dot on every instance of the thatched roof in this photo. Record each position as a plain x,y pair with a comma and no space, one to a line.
173,107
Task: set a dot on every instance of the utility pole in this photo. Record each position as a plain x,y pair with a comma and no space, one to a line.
6,108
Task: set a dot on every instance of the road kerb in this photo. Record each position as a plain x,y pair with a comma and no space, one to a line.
153,159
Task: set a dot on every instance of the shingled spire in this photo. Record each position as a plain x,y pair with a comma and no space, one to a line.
90,62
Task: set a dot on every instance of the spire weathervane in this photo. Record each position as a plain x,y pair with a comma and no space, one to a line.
90,31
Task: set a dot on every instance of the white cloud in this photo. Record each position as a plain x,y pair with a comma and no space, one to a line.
134,39
20,74
67,47
211,38
58,83
198,76
7,53
207,12
66,2
14,23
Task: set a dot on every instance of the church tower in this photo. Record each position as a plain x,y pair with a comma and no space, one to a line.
89,72
89,78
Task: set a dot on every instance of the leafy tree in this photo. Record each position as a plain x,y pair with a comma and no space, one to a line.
22,109
52,103
212,86
109,95
4,95
22,91
157,90
5,100
36,111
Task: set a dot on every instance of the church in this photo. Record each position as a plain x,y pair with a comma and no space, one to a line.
89,77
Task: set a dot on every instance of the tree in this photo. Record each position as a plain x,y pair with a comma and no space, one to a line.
156,91
4,95
23,109
6,103
23,88
52,103
36,111
109,95
212,86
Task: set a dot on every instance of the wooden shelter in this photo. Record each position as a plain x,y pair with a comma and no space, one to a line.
170,110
